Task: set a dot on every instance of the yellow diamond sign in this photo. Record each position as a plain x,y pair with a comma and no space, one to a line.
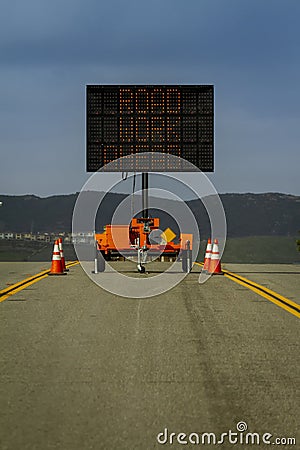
168,235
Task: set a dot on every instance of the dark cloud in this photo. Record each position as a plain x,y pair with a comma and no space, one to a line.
232,32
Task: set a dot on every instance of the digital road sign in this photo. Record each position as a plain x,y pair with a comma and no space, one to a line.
128,120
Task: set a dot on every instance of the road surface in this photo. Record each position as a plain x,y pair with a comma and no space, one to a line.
83,369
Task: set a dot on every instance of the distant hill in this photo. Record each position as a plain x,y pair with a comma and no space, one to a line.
253,249
269,214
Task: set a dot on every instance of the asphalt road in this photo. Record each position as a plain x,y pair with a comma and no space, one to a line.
83,369
13,272
282,278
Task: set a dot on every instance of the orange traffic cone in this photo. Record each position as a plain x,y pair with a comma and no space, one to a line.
56,267
215,263
207,256
63,262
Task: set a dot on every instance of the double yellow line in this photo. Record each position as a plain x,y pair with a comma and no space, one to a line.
270,295
17,287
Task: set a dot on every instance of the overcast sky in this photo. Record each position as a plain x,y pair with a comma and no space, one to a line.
49,51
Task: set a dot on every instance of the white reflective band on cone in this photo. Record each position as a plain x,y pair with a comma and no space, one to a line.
208,252
215,252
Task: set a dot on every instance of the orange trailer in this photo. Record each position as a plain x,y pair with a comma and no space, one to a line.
128,240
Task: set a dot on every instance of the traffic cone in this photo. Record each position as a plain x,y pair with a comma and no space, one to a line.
56,267
63,262
215,263
207,256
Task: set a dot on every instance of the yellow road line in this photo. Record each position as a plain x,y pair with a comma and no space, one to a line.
72,263
281,301
277,299
269,291
23,286
26,280
20,285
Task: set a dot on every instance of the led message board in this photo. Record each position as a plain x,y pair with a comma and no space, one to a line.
129,120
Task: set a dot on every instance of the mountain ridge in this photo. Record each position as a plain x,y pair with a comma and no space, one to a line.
247,214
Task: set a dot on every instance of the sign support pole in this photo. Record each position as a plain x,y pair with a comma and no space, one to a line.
145,184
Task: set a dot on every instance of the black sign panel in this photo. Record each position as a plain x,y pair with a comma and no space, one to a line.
132,119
